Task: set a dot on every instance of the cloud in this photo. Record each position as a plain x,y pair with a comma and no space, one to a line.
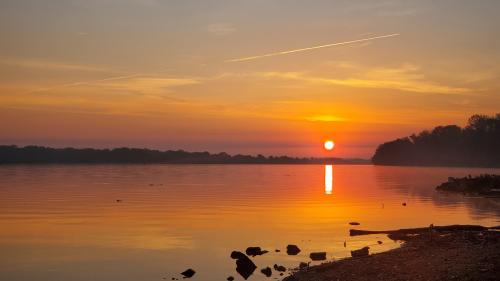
221,29
154,86
136,83
48,65
127,95
406,77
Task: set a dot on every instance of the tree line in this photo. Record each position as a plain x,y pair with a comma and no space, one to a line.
11,154
477,144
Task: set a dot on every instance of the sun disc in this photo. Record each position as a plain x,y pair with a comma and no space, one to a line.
329,145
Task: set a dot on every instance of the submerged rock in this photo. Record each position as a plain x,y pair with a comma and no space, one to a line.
354,223
363,252
188,273
379,242
404,204
230,278
267,271
292,250
255,251
279,268
303,265
244,265
318,256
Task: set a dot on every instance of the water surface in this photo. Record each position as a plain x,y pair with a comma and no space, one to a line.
149,222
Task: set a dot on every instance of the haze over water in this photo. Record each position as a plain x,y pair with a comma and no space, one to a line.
63,222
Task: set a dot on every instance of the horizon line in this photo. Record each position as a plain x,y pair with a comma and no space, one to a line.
182,150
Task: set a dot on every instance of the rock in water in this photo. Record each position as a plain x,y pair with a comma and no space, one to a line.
244,265
292,250
303,265
230,278
379,242
354,223
279,268
255,251
188,273
318,256
363,252
237,255
267,271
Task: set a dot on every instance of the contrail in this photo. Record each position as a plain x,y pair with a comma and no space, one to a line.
311,48
85,83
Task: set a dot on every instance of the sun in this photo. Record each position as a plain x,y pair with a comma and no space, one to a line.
329,145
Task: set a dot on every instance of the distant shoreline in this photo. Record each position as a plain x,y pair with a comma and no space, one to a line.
447,165
182,164
40,155
12,154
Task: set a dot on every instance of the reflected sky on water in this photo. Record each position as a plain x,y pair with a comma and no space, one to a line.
148,222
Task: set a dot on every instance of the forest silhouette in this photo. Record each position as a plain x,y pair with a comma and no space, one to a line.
11,154
475,145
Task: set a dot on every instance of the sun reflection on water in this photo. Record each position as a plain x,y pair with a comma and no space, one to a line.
328,179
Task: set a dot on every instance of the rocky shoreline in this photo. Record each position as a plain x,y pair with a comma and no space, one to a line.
482,185
428,253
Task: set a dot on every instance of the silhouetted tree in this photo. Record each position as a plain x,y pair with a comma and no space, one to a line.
478,144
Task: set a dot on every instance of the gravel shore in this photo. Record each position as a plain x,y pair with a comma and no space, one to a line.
453,255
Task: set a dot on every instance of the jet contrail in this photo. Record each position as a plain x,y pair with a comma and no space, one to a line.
311,48
84,83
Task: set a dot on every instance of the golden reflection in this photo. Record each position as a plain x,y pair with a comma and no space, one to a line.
328,179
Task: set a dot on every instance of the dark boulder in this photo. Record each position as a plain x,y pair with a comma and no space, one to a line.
354,223
303,265
279,268
255,251
292,250
237,255
318,256
267,271
244,265
188,273
363,252
230,278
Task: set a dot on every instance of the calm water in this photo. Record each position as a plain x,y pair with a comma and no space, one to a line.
64,222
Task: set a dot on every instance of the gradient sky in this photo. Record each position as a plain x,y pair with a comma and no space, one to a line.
154,73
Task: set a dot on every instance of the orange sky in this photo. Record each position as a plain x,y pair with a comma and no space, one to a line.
158,74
